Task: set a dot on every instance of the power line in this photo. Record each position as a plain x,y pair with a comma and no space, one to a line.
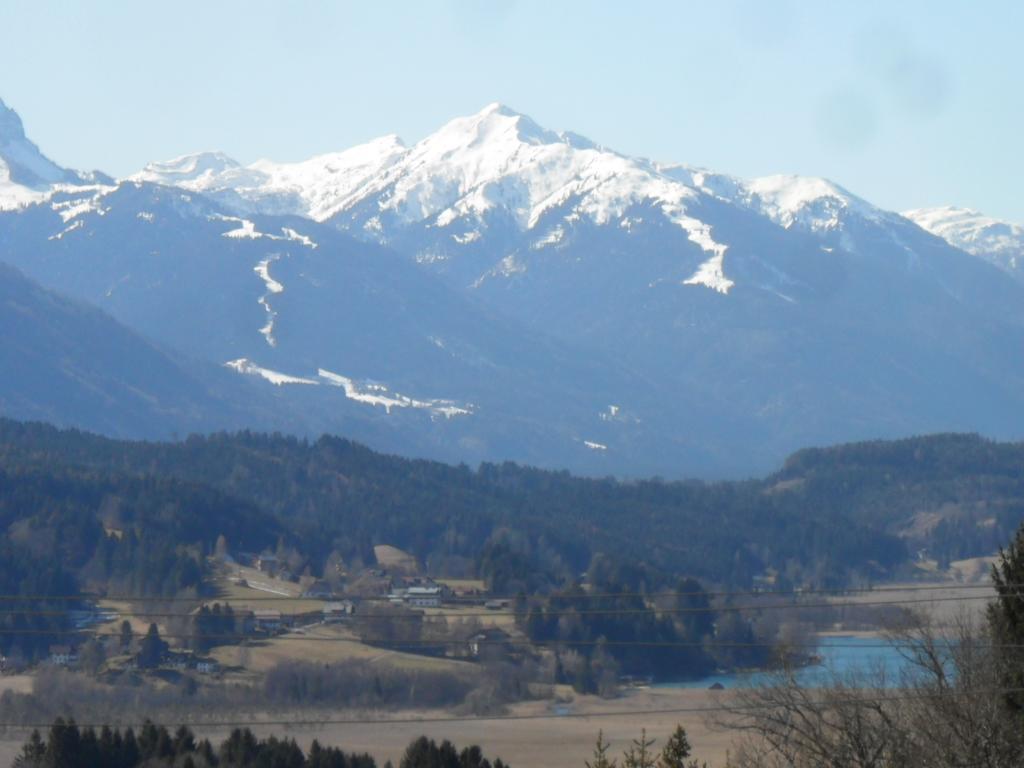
752,707
415,615
425,642
475,600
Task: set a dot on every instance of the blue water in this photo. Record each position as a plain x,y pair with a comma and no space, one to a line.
840,656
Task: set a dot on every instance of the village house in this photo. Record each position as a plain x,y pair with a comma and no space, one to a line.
267,620
423,597
63,655
176,660
338,611
490,643
319,590
266,563
207,666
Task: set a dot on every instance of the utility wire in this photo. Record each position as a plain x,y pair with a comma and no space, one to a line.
400,644
475,600
415,615
736,708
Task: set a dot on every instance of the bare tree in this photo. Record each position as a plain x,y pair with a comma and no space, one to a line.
944,710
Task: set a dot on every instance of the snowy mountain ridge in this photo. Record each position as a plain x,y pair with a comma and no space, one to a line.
487,292
499,164
27,176
998,242
498,159
495,157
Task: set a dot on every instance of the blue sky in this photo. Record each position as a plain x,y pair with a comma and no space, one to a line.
917,104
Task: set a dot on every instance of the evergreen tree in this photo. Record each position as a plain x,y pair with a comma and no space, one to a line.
677,751
152,649
601,758
126,635
1006,620
639,754
63,746
32,754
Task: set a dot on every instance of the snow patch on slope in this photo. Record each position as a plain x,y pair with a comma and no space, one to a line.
246,366
374,394
273,287
246,230
71,209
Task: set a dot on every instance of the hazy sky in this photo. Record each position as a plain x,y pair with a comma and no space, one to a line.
922,104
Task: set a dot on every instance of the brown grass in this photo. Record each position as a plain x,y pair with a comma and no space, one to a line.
324,645
557,742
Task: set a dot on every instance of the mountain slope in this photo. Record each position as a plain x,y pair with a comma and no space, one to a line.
499,290
350,333
26,174
777,312
70,364
1000,243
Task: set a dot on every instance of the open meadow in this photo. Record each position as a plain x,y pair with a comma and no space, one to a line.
533,741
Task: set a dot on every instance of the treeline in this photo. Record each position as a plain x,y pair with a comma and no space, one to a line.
636,621
973,488
68,746
517,527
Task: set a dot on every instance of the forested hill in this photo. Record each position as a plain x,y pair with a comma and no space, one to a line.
955,495
335,495
827,514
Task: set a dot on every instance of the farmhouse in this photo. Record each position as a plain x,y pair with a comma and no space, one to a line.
267,620
177,660
423,597
207,666
63,655
490,643
338,611
319,590
266,563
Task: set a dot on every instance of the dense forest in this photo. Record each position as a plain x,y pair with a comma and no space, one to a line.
82,512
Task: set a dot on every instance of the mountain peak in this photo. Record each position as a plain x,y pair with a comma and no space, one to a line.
188,167
495,123
11,127
998,242
497,108
24,170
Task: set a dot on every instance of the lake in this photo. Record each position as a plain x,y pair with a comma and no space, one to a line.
840,655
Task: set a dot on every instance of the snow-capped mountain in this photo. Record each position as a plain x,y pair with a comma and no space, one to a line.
348,333
26,174
316,188
999,242
499,171
499,290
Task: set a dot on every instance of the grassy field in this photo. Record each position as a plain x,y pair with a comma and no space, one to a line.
551,742
322,644
260,592
395,558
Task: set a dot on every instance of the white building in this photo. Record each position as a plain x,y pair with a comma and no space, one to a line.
423,597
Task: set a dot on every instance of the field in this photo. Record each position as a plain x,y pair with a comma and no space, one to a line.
259,592
946,601
395,559
545,742
323,644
